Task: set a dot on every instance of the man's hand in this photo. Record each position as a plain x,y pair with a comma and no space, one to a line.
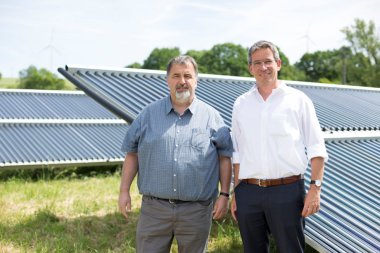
233,208
312,201
220,207
124,203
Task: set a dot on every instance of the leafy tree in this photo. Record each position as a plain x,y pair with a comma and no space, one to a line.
222,59
159,58
355,65
360,71
32,78
1,76
225,59
320,66
364,38
134,65
363,67
288,71
197,55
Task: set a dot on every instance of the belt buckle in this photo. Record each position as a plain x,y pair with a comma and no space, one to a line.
172,201
262,183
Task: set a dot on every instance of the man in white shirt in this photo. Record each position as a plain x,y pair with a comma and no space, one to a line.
275,133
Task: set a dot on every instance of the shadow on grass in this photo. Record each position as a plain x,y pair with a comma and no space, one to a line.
45,232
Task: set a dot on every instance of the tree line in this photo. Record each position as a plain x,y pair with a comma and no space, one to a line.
356,64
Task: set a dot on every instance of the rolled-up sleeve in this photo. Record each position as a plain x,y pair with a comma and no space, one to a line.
235,135
222,141
312,133
132,137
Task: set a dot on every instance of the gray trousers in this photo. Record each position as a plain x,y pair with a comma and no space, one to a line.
161,221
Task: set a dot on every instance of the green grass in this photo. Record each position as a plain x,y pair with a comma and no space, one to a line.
75,210
64,215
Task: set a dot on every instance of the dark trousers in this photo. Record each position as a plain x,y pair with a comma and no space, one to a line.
272,210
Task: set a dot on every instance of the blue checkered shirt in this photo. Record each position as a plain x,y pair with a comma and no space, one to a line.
178,155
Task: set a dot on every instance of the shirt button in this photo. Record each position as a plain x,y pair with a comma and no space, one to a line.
177,131
175,159
176,145
175,190
174,175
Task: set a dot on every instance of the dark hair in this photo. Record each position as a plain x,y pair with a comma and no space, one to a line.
263,44
182,60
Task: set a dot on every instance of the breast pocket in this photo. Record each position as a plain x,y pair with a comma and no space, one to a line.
279,125
200,138
285,138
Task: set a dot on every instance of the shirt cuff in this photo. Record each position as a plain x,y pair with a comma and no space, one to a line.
235,157
317,151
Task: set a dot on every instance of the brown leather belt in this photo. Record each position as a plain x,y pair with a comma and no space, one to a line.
272,182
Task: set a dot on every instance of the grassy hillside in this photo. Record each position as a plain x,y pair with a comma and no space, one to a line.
11,83
8,83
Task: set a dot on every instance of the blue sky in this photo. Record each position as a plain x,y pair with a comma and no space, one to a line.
115,33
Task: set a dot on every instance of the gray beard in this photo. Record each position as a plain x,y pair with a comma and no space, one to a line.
182,96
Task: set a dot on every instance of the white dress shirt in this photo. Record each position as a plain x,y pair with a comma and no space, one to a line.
275,138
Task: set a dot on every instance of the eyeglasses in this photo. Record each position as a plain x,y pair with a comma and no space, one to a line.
267,63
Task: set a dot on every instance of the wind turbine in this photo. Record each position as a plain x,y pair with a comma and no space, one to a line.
51,48
307,38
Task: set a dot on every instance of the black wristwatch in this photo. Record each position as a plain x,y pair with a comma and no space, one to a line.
316,182
224,194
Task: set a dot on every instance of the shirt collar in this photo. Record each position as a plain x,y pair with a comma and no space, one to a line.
192,108
168,105
282,87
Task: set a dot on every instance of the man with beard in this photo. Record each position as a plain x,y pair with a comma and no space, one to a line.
181,149
275,133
